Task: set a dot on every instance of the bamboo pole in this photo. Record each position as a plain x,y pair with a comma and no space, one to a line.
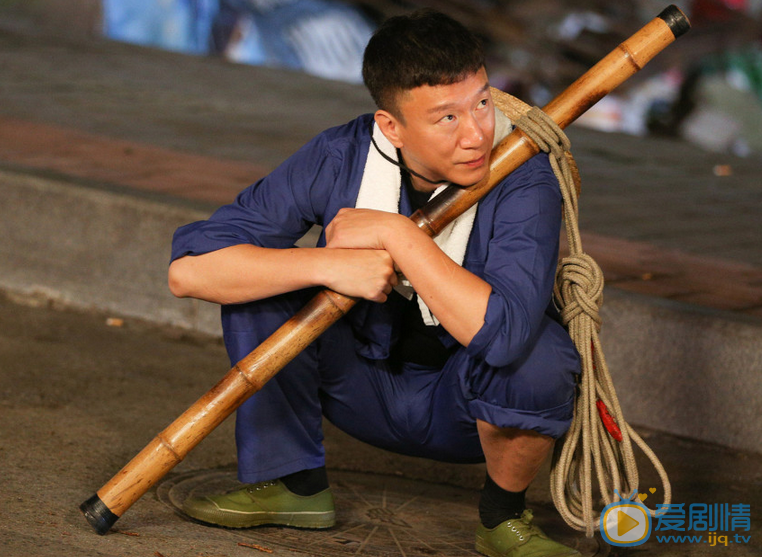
171,446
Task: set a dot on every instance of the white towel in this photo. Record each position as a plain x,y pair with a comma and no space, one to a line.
380,189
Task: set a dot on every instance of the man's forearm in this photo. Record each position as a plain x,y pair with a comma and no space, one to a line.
456,296
245,273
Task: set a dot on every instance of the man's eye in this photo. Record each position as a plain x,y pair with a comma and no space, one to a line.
484,102
448,118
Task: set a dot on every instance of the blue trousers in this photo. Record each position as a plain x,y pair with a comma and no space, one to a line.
405,408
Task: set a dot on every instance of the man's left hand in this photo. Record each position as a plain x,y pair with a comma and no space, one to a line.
363,228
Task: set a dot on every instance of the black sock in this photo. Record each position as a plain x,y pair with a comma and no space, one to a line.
498,505
307,482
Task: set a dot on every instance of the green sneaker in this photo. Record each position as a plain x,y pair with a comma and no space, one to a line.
263,503
519,538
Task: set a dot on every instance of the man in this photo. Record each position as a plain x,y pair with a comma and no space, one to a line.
474,367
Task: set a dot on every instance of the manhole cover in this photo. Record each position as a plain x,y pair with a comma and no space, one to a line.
377,516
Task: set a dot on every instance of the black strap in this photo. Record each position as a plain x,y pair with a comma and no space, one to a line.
399,164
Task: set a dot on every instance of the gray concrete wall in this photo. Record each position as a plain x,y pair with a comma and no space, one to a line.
685,369
93,248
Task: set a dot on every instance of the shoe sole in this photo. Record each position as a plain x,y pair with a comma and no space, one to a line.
484,549
317,520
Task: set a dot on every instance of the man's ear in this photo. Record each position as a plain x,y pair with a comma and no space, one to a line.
389,126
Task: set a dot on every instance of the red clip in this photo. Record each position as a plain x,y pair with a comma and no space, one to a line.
608,421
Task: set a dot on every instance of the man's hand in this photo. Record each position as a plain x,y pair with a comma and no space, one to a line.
457,297
361,273
363,268
364,228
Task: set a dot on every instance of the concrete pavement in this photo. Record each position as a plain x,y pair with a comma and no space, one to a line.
82,394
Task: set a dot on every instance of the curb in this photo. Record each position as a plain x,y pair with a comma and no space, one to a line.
90,248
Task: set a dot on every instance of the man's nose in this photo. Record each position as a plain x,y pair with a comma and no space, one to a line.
472,133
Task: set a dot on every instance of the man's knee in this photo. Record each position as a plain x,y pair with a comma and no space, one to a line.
534,394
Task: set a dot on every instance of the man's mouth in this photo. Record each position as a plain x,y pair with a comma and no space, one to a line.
475,163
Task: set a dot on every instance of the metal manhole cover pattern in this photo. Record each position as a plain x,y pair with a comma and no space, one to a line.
376,516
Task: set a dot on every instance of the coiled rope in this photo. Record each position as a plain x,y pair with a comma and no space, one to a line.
594,440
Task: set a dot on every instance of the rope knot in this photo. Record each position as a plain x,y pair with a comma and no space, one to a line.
544,131
579,288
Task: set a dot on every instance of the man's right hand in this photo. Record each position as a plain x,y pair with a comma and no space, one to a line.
360,273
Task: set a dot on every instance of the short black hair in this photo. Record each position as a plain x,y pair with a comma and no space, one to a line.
422,48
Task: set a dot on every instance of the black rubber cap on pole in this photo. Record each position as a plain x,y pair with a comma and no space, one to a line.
676,20
98,514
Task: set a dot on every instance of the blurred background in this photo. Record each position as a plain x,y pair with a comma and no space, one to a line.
706,89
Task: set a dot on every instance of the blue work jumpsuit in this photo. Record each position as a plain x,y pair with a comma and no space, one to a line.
518,371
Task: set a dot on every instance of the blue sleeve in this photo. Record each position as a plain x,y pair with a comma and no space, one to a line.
521,262
274,212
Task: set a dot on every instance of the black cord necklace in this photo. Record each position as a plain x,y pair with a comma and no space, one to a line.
399,164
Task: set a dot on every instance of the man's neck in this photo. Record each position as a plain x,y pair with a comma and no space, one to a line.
419,182
417,198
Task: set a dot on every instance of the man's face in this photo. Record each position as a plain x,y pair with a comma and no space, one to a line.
446,131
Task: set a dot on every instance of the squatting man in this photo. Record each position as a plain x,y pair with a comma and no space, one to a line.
454,352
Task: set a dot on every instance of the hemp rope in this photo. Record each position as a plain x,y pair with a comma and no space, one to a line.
578,292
